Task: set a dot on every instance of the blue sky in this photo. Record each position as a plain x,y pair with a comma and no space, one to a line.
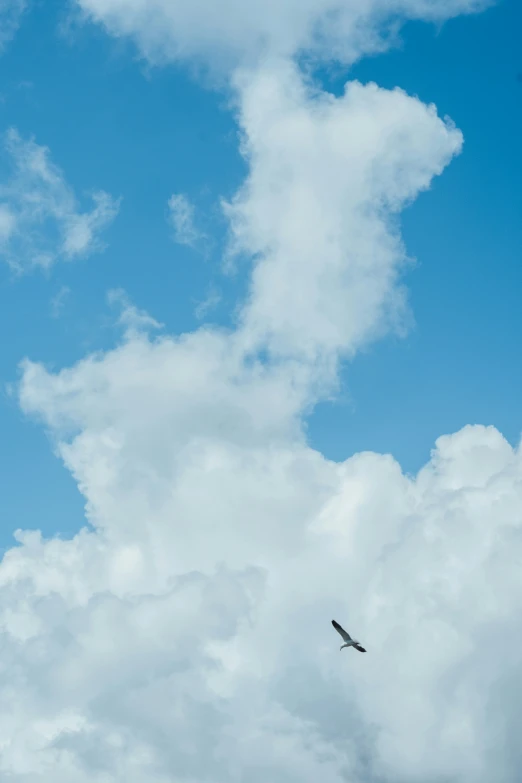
142,133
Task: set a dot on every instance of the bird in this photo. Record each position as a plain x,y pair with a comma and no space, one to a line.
349,642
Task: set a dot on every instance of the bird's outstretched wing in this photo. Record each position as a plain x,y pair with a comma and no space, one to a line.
340,629
358,647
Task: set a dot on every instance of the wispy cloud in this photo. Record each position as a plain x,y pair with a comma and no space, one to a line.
131,318
181,217
40,219
10,15
212,299
58,301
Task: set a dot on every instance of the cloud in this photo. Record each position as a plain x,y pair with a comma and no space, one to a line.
10,14
209,303
184,634
198,606
317,211
40,222
58,301
181,218
234,32
133,320
7,223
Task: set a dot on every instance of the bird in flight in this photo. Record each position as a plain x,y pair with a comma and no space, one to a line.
348,641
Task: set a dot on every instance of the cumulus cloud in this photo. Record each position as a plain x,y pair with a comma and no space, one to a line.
10,14
317,212
191,623
184,633
40,220
235,32
181,218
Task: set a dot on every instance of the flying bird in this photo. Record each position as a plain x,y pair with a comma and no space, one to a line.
349,642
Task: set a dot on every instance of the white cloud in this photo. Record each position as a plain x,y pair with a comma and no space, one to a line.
327,178
235,31
10,14
181,218
40,222
209,303
7,223
58,300
133,320
200,607
185,635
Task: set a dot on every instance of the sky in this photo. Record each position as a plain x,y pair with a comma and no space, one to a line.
259,292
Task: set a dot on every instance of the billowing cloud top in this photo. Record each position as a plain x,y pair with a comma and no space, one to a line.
327,176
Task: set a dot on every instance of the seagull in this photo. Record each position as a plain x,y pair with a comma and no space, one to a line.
349,642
